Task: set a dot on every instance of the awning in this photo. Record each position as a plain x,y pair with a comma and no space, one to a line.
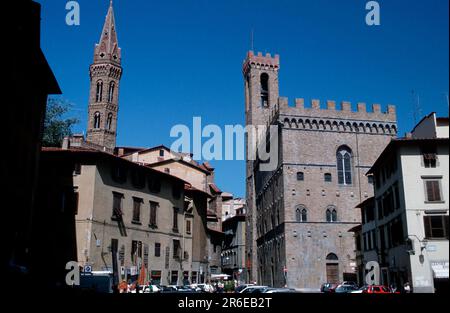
440,269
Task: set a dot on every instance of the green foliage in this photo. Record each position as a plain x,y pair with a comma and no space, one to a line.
56,125
229,286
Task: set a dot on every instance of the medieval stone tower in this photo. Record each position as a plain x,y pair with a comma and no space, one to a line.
105,74
261,94
300,214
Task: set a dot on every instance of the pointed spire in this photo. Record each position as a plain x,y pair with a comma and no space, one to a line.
108,47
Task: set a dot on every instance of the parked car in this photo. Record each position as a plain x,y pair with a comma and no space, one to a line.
328,287
359,290
280,290
167,289
345,288
377,289
350,283
239,288
203,288
150,289
253,289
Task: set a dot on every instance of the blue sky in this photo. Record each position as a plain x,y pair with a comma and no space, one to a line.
183,58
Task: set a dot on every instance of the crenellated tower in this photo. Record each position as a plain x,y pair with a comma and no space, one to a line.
261,96
105,73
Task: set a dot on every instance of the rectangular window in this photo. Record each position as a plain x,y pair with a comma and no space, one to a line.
175,220
154,184
174,278
117,205
137,210
176,191
188,226
328,178
77,169
146,255
429,157
153,208
156,277
436,227
176,249
194,277
161,153
134,248
157,249
433,190
300,176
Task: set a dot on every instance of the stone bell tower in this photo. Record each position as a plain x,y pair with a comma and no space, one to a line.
105,74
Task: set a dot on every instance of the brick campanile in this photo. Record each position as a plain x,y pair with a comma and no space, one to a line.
105,74
261,95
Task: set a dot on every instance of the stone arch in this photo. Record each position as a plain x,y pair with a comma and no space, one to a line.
286,123
294,123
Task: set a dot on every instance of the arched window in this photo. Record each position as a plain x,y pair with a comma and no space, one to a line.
301,214
304,215
112,86
264,90
327,177
331,214
109,121
97,120
99,91
344,165
332,257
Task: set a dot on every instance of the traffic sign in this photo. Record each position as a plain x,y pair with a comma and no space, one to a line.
88,269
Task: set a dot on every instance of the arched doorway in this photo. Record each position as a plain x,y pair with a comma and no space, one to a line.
332,266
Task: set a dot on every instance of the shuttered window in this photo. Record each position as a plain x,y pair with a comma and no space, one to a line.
433,190
436,227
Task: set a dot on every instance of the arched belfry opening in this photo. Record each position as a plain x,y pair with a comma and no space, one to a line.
264,90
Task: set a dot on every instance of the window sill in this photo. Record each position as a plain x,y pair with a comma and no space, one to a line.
153,226
175,230
136,223
115,218
434,202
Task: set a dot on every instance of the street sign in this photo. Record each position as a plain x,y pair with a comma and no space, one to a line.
88,269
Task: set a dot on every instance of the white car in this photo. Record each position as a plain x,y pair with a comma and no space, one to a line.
251,289
150,289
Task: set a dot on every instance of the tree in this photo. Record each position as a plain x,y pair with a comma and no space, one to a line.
56,126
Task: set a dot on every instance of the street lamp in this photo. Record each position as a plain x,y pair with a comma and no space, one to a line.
423,246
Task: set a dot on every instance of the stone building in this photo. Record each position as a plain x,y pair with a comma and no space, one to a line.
127,215
231,206
233,249
405,226
201,177
299,214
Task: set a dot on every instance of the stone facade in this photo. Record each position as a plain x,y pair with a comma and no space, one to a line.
114,222
300,214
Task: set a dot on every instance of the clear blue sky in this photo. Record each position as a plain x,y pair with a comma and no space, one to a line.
183,58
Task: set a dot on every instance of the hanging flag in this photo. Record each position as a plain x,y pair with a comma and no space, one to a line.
142,275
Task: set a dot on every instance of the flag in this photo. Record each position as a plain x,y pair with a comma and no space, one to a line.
142,275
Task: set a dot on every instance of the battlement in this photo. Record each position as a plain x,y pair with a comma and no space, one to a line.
332,111
266,62
344,119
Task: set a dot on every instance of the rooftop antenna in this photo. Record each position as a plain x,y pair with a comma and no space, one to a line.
417,110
